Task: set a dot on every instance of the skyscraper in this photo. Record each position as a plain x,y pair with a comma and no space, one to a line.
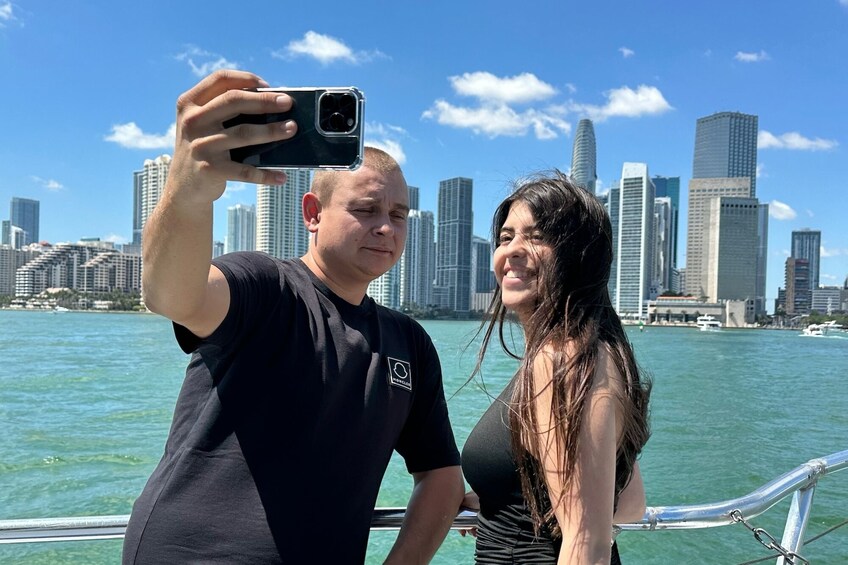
385,289
797,286
453,259
279,220
732,237
418,264
726,147
138,187
583,156
24,213
806,244
413,197
635,264
482,276
701,191
613,206
241,228
152,182
663,219
670,187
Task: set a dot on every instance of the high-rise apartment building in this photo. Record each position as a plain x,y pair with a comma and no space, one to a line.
806,244
797,286
241,228
726,147
635,245
670,187
151,180
583,156
731,234
138,204
413,197
385,289
663,262
701,192
11,260
418,264
453,259
24,213
613,205
482,276
279,219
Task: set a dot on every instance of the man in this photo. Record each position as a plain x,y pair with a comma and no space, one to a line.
299,386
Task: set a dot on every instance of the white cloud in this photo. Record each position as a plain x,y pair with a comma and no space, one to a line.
130,136
571,88
49,184
843,2
626,52
6,14
832,252
325,49
824,276
751,57
115,238
390,146
388,138
810,213
780,211
525,87
626,102
761,170
793,140
785,253
203,63
235,186
499,119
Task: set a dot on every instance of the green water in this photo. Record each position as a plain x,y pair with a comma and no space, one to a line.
86,402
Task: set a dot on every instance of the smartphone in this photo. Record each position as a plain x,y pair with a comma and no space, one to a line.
329,131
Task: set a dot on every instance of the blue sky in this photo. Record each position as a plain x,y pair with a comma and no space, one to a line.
487,90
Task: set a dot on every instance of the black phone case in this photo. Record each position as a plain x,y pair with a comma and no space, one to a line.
310,148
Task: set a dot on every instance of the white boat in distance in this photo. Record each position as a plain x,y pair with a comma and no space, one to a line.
708,323
823,329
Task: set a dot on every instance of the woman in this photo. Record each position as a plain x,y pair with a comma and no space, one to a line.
554,457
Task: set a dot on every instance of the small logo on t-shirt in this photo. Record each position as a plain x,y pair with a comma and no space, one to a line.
400,373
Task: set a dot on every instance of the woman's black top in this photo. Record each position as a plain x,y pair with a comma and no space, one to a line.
505,529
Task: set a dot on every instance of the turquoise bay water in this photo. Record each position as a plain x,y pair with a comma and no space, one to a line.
86,401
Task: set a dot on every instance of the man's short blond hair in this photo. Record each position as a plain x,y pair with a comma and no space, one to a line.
323,182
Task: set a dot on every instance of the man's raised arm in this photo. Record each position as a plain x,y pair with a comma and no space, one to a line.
178,279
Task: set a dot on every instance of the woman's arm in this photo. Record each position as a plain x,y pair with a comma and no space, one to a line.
631,501
585,511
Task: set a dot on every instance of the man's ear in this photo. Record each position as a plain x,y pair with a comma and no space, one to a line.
311,211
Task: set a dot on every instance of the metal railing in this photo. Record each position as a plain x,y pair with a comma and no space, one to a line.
799,482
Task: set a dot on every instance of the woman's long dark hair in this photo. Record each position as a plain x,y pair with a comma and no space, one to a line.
573,309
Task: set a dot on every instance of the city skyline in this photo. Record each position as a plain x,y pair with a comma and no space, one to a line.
492,111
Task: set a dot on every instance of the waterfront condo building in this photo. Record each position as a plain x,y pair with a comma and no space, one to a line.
806,244
24,213
612,205
418,264
635,245
583,156
453,259
279,218
241,228
148,185
797,286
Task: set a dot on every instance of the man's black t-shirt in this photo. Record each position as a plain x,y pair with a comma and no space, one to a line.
285,425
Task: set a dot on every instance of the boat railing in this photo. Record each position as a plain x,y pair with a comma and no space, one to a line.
799,482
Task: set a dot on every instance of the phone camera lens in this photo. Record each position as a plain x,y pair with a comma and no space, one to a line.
337,122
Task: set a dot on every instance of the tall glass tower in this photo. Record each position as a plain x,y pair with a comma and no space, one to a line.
453,259
726,147
241,228
583,159
806,244
24,213
279,219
